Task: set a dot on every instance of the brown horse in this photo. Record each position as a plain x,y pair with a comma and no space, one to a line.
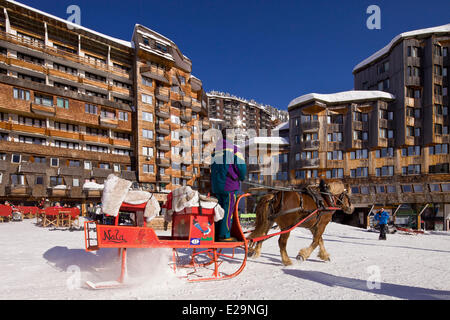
287,208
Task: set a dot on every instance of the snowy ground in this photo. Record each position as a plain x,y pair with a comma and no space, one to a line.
39,263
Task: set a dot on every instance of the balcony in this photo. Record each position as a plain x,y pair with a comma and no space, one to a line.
120,142
18,190
310,145
310,126
164,178
63,134
58,191
162,94
186,174
413,81
163,162
28,129
186,116
163,145
108,122
186,101
154,73
43,110
163,128
196,105
95,139
163,112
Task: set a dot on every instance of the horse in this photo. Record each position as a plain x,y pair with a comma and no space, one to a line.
287,208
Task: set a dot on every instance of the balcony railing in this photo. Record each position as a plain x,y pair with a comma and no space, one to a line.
33,44
310,126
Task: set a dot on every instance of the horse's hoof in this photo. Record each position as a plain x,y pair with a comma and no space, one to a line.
300,258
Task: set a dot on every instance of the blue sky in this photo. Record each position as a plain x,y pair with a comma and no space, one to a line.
270,51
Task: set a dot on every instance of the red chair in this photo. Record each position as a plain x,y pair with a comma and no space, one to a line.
51,217
5,213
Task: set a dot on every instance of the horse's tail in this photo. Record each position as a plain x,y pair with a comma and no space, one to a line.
262,223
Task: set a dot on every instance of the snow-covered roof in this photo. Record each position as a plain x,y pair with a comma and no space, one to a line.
345,96
267,141
74,25
386,49
282,126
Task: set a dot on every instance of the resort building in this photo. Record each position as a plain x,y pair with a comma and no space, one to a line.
77,105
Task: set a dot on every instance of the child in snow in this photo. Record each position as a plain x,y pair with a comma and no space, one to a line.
382,217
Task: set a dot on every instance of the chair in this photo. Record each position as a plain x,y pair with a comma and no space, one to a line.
51,217
5,213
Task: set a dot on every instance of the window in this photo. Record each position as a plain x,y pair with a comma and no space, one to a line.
354,190
147,82
65,69
97,132
40,180
76,182
116,167
434,187
411,151
104,166
74,163
437,50
335,173
360,135
32,140
147,116
418,188
359,172
438,128
437,70
334,155
411,169
147,98
123,116
438,149
148,168
43,100
67,145
335,137
147,134
16,158
21,94
95,77
391,189
175,119
359,154
380,189
87,165
94,148
56,181
385,153
17,179
39,160
413,51
107,114
62,103
90,108
54,162
407,188
147,151
95,94
66,127
437,90
385,171
445,187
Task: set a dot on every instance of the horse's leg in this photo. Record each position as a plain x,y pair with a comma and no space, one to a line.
282,243
323,254
254,250
304,253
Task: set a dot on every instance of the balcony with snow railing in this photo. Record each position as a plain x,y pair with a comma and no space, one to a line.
59,191
92,189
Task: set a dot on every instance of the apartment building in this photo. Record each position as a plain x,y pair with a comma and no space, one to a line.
77,105
414,67
240,113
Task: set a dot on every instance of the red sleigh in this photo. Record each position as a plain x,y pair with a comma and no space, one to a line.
192,230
